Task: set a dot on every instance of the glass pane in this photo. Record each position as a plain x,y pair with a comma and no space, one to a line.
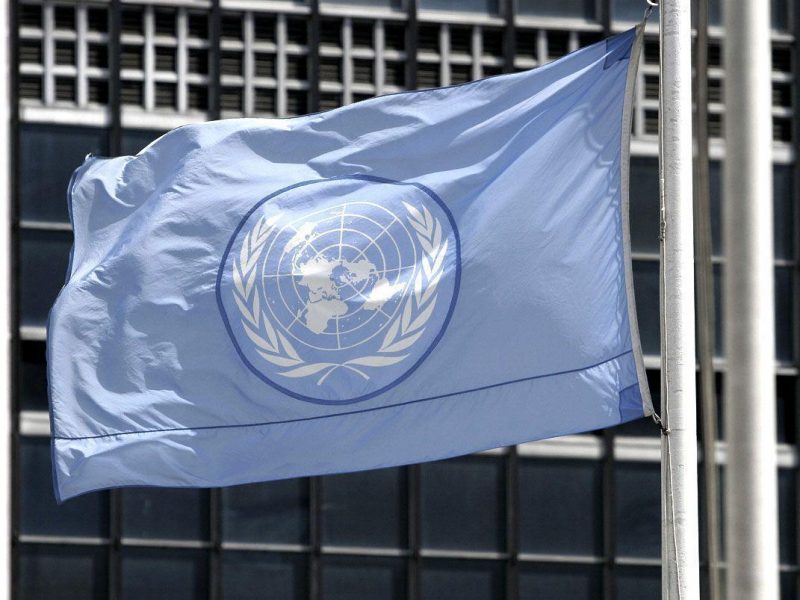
787,405
783,190
394,4
787,515
365,509
788,586
560,507
644,199
44,258
715,201
48,156
275,512
645,284
476,6
133,140
47,572
32,376
356,578
463,503
84,516
552,580
779,13
631,10
638,583
174,574
247,574
465,580
638,498
784,318
170,514
583,9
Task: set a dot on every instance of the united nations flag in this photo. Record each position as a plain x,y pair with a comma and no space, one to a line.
409,278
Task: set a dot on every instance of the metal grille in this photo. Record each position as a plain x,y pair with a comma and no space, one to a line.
571,517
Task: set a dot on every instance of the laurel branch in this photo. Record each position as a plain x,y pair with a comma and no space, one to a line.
274,347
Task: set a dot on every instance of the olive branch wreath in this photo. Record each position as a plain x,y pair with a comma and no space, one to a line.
274,347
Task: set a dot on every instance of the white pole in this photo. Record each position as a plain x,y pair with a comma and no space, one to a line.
5,311
680,535
751,521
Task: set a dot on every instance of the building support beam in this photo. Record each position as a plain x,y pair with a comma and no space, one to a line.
751,525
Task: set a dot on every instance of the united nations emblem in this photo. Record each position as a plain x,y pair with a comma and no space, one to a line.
335,290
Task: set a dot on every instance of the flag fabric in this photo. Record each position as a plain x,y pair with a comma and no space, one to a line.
413,277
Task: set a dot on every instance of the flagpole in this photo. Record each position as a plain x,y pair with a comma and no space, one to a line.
751,524
680,543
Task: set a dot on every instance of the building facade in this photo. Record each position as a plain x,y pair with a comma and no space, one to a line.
575,517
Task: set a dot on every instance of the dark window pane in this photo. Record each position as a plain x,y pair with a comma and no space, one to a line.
584,9
783,189
396,4
552,580
246,575
715,200
463,503
85,516
172,514
365,509
45,257
638,499
784,317
788,586
356,578
644,199
645,284
47,572
134,140
779,12
465,580
638,583
32,376
630,10
787,515
275,512
479,6
174,574
560,504
49,155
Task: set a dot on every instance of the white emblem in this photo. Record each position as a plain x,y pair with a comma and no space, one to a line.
341,299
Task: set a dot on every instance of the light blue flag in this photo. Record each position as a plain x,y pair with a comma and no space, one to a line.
409,278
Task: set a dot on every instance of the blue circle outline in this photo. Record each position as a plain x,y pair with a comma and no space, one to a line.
432,345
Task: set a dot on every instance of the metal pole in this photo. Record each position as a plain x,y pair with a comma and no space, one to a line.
751,524
704,282
680,543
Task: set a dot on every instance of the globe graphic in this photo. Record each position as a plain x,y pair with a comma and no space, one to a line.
335,279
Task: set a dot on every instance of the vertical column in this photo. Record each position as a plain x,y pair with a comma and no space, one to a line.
680,545
704,282
313,57
748,321
182,57
81,50
8,98
114,79
215,78
412,38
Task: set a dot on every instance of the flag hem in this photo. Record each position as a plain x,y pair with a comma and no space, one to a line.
625,158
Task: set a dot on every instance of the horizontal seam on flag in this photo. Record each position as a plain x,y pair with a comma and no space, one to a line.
352,412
